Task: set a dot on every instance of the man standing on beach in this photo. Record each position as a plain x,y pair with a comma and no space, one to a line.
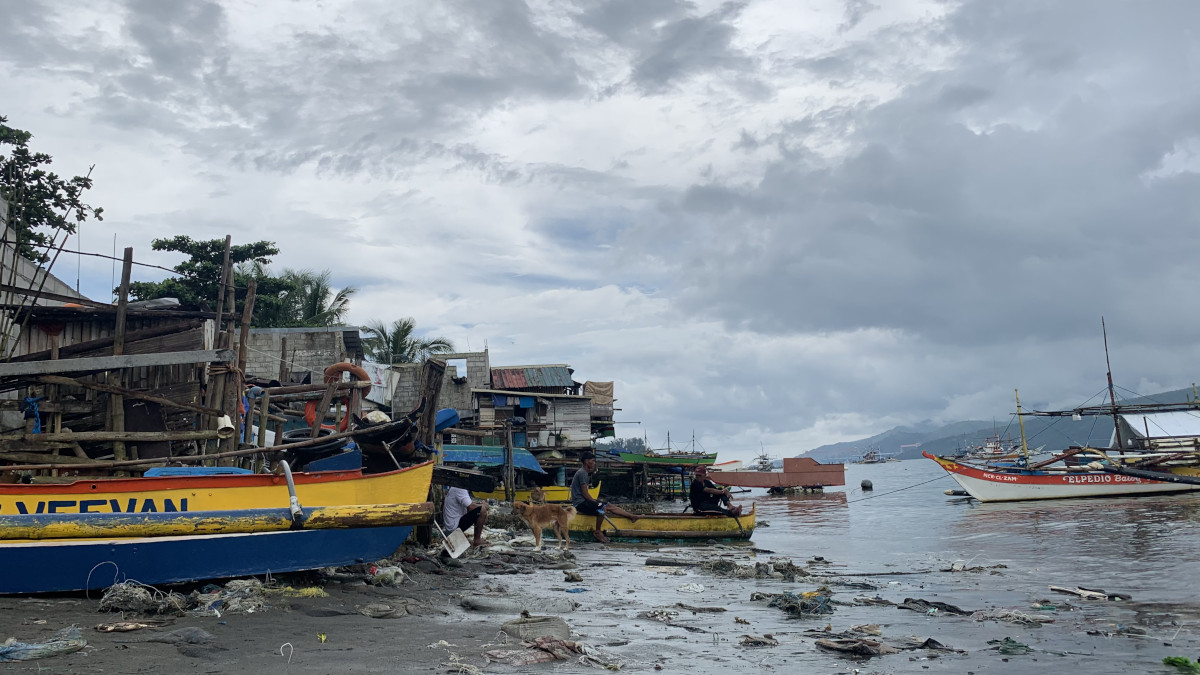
707,497
582,500
460,512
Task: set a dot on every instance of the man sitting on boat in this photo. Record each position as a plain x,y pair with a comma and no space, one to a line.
582,500
707,498
461,512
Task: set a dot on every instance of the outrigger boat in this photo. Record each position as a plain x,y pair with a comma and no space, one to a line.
666,526
1135,464
550,493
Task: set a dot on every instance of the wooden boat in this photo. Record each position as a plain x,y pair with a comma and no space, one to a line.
667,526
670,458
59,544
1001,484
81,564
552,493
220,492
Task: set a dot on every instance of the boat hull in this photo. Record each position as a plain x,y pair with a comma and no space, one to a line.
76,565
1007,486
669,460
217,493
662,526
552,493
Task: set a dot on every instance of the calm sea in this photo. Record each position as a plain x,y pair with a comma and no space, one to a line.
1144,546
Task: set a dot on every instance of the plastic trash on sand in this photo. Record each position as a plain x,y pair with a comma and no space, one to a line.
64,641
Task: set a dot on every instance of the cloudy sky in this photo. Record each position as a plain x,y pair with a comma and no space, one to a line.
775,222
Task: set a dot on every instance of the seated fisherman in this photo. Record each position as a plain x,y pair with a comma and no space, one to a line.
582,500
709,498
460,512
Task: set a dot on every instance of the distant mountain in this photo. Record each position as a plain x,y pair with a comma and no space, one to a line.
1052,433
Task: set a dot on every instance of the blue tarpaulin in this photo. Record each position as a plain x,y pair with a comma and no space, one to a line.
486,455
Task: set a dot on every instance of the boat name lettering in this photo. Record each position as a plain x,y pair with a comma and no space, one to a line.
1000,477
1091,478
129,505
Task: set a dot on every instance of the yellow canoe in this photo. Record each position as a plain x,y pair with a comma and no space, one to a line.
216,493
553,493
667,526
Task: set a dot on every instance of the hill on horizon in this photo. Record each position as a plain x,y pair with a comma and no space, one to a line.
1052,433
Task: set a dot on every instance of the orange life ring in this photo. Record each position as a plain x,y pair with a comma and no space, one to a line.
333,374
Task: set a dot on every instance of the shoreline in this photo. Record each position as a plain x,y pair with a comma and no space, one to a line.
633,615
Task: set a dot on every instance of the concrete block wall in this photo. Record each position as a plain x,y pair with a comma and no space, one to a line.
307,350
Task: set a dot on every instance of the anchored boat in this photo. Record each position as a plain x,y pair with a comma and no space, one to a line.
666,526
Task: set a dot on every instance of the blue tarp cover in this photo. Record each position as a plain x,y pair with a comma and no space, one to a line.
486,455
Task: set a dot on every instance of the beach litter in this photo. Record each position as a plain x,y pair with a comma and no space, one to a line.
700,610
533,627
931,607
127,626
1010,647
548,649
1011,616
1091,593
132,597
691,588
804,604
765,640
857,646
508,605
64,641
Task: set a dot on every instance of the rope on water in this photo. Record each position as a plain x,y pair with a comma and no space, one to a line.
884,494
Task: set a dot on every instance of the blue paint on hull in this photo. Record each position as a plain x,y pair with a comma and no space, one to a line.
56,566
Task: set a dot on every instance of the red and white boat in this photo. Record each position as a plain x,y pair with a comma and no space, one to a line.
1006,484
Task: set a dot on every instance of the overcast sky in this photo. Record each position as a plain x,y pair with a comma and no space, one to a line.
775,222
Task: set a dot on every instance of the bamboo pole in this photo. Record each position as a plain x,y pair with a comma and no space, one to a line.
322,407
117,401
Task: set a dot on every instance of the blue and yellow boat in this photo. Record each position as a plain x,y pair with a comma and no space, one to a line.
96,532
666,527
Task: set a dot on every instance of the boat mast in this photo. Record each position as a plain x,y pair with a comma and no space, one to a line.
1112,396
1021,423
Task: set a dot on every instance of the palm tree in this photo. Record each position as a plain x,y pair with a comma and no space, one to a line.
398,344
314,301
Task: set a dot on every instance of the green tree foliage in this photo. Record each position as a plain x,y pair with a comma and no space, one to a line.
627,444
40,202
199,280
398,342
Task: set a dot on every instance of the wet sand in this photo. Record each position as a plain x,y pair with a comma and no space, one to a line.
1126,636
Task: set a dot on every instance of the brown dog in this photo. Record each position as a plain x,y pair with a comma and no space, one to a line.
541,516
537,496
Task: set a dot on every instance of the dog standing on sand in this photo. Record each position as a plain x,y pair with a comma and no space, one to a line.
541,516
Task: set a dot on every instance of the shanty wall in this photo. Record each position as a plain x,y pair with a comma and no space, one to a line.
308,351
571,417
456,387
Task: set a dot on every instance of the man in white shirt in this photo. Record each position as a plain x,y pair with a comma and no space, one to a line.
459,511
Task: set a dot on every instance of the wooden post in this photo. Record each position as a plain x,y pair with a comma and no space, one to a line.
432,373
224,280
116,401
283,362
264,412
323,406
509,487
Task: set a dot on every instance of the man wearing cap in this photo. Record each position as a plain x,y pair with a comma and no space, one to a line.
707,498
582,500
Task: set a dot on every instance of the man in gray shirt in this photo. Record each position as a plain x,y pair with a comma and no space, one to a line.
583,502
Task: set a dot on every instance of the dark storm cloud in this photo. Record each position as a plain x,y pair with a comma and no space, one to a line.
1004,195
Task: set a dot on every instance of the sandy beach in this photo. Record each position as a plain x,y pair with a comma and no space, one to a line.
707,611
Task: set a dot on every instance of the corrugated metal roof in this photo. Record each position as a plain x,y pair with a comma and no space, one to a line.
532,376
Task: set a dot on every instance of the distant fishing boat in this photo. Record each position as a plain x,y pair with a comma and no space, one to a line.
1134,464
670,459
665,526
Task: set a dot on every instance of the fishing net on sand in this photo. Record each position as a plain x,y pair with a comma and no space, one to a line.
132,597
